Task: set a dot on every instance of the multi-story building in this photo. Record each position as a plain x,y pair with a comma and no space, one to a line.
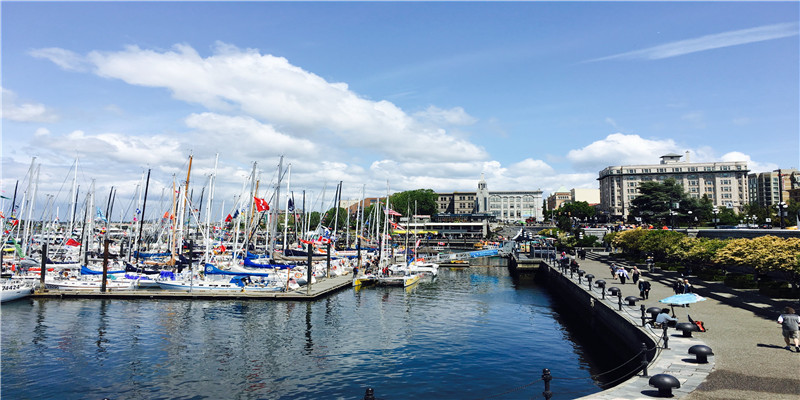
557,198
512,205
725,183
770,188
456,203
591,196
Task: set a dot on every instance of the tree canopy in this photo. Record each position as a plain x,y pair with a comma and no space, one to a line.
423,199
665,203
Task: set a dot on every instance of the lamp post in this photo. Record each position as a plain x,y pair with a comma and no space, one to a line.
689,222
716,216
782,206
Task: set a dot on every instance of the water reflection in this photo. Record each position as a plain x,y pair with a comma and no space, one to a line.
474,327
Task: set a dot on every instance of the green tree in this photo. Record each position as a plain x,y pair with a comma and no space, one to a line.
579,209
662,203
423,199
332,219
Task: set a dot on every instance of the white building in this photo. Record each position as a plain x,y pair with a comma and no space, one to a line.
591,196
509,205
725,183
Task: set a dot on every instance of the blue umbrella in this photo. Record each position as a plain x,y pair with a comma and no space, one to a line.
681,299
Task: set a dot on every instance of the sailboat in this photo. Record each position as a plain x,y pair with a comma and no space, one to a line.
14,289
386,278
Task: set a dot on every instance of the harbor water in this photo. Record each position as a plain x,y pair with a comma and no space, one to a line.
473,333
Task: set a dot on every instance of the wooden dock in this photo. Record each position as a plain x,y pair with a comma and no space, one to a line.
318,290
522,263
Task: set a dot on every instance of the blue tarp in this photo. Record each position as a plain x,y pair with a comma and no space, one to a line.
87,271
483,253
684,298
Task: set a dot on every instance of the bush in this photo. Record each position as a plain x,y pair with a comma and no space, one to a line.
778,289
711,274
741,281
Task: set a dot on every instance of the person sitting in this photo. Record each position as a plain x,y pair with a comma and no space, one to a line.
664,319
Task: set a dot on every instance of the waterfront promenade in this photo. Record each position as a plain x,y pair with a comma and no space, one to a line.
749,360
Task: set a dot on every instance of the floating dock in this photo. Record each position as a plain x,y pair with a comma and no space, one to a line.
318,290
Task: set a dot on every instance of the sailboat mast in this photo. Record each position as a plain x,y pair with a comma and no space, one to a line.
209,241
141,218
273,223
286,214
75,197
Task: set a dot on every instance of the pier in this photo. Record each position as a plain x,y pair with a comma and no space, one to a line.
318,290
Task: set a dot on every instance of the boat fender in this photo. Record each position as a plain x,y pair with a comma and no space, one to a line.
298,275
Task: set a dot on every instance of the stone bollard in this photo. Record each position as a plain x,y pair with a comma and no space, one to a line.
546,377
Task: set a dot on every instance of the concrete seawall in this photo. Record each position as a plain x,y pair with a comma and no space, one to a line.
624,333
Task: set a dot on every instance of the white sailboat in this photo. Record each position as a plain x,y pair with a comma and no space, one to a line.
14,289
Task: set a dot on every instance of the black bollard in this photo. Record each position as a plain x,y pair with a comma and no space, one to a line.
369,395
665,337
644,359
619,298
546,377
589,278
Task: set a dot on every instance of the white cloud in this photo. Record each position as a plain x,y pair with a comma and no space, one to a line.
754,166
302,104
25,112
65,59
709,42
453,116
620,149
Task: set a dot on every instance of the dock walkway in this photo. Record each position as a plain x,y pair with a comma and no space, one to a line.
749,360
321,288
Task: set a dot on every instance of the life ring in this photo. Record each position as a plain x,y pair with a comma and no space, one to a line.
298,275
334,268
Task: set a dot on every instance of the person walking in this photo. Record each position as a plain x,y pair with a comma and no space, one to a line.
623,274
644,289
790,323
635,273
613,269
677,287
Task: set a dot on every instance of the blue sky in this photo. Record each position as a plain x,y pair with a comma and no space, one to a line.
422,95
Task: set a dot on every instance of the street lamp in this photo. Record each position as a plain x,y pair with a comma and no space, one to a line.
716,216
782,206
689,223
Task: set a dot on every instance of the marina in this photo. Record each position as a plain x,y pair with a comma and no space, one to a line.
472,333
318,290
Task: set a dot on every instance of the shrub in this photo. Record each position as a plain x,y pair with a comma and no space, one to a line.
711,274
741,281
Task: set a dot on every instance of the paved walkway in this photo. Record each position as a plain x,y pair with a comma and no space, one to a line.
749,360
